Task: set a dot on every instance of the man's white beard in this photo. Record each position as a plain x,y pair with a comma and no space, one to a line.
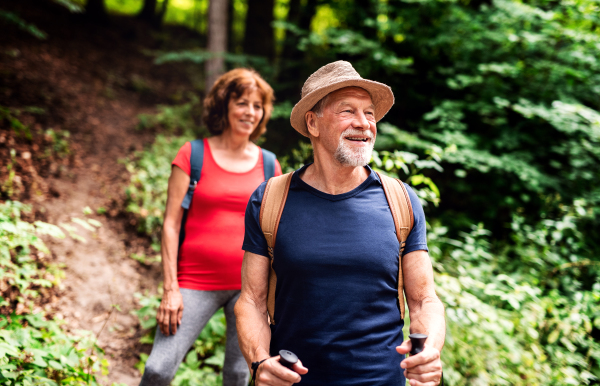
350,156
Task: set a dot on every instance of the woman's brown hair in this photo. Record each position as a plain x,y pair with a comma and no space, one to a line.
233,84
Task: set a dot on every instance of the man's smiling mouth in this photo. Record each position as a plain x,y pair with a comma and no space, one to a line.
357,139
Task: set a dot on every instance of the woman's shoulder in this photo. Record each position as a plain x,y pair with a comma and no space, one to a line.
182,159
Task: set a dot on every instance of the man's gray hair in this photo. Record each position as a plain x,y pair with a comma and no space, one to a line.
319,106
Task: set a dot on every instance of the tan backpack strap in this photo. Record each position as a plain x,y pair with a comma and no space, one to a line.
401,208
271,208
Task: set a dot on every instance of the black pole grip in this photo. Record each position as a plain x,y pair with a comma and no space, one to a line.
287,359
418,341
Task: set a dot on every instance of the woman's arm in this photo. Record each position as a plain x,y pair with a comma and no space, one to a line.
170,310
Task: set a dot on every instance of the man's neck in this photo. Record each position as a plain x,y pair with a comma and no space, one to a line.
329,176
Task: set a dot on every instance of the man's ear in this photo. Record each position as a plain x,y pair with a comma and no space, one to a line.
311,123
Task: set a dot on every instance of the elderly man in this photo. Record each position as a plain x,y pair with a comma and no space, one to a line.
337,257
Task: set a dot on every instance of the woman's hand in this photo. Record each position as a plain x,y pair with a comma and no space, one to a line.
170,312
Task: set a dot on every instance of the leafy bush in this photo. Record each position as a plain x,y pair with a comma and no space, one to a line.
147,191
34,350
171,118
507,327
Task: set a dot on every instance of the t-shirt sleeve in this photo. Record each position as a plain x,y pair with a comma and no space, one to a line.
254,239
183,158
278,171
417,238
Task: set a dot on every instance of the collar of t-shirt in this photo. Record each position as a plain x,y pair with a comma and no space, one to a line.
298,184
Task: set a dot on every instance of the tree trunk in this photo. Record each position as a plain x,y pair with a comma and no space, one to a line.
217,40
259,37
95,9
231,42
150,14
163,10
148,11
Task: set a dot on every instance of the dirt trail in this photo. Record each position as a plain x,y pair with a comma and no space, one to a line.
100,273
85,76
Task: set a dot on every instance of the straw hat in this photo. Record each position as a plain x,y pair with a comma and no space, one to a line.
335,76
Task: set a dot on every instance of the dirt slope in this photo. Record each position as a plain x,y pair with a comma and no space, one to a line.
93,81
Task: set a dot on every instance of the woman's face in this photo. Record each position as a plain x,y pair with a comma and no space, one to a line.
245,112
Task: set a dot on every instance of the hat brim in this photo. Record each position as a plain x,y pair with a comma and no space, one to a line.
381,95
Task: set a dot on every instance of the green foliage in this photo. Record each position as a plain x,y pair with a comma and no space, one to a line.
147,192
7,186
14,19
33,350
10,115
146,260
58,144
299,157
72,6
22,271
198,56
519,316
171,118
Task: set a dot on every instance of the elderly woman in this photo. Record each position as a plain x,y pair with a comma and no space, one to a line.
202,271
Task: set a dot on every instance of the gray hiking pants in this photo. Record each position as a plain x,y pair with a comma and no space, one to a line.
168,351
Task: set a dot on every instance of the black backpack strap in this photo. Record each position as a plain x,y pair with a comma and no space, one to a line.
196,161
268,163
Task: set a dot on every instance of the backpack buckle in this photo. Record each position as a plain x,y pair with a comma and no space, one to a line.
193,186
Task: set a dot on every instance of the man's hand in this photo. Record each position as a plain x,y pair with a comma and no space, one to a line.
423,369
272,373
170,311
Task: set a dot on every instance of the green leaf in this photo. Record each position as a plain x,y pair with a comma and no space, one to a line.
55,365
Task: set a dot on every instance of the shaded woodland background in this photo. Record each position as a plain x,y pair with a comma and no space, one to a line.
496,125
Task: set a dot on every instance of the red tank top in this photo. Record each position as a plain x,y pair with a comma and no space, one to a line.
211,256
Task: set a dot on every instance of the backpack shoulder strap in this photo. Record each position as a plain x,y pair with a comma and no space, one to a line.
268,163
196,161
401,208
271,208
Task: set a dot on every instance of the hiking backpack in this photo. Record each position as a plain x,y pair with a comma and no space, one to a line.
273,202
196,161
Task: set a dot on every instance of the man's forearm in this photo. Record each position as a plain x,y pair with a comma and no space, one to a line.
254,334
429,319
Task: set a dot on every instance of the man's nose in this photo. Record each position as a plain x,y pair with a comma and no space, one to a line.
361,121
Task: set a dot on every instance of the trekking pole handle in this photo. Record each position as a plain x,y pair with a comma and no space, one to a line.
287,359
417,341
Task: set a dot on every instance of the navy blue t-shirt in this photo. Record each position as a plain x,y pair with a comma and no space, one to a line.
336,299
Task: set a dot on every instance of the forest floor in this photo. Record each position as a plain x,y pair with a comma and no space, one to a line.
92,80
